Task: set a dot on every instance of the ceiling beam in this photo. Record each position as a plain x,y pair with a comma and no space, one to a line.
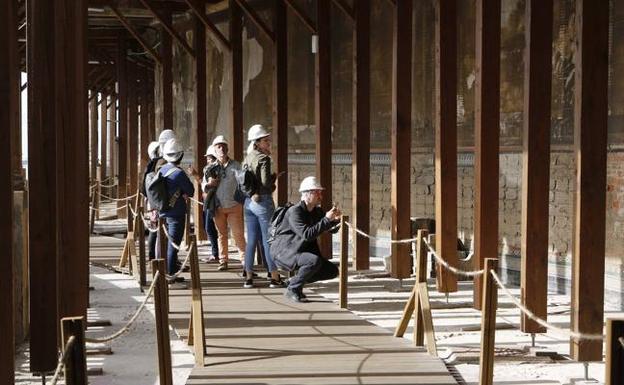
168,27
134,33
214,31
305,19
255,18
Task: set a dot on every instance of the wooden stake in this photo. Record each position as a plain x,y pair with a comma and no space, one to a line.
197,307
162,323
488,323
141,234
425,315
76,364
421,277
344,262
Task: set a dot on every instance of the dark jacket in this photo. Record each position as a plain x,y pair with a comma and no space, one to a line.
297,233
177,182
260,165
151,166
212,170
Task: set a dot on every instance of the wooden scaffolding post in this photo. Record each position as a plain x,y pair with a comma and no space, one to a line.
401,138
76,363
140,231
187,227
161,240
196,329
162,323
9,120
344,262
361,133
122,123
112,144
614,370
93,136
487,134
236,44
280,98
97,191
488,323
103,138
166,56
133,129
92,214
590,146
199,138
446,142
536,162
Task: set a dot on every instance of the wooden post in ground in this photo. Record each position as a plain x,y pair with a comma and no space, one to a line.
162,323
76,363
421,277
236,44
103,137
344,262
97,190
280,98
488,323
42,197
487,128
129,217
590,146
93,136
198,339
427,321
92,214
401,138
161,240
9,120
166,55
199,137
133,129
112,144
361,133
122,123
187,227
141,235
614,370
446,142
536,162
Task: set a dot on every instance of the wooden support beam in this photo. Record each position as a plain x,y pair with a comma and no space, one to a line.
323,112
302,16
144,122
199,139
42,234
488,323
236,118
151,107
487,134
93,136
161,308
166,55
133,130
165,21
590,143
9,119
75,371
255,18
361,133
122,122
112,142
401,138
346,9
446,142
126,23
536,161
199,11
280,98
614,370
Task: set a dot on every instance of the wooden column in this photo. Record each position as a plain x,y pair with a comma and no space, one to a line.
122,122
280,98
144,123
199,139
103,137
486,136
9,120
236,118
166,55
133,129
112,136
72,157
536,161
93,137
323,112
401,136
361,132
151,106
446,142
590,143
42,233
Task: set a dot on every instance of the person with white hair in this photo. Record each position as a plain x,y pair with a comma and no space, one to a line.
294,242
179,189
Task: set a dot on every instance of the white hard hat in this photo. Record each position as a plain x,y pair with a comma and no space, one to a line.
152,150
210,151
257,131
173,151
310,183
165,135
219,140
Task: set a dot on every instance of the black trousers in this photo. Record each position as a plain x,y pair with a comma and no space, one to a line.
312,268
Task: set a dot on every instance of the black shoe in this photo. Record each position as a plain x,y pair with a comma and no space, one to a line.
294,295
276,283
243,274
248,284
179,279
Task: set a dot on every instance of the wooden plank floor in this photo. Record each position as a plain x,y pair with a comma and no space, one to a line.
257,336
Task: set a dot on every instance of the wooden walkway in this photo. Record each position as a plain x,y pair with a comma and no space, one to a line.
257,336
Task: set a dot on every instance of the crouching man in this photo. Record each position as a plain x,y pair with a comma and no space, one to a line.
294,240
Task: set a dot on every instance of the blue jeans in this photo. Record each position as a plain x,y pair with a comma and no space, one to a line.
175,228
258,218
211,231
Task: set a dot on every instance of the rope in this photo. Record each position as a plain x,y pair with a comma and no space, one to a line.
134,213
362,233
118,199
174,276
125,328
114,208
146,224
177,247
452,269
531,315
108,185
196,201
62,359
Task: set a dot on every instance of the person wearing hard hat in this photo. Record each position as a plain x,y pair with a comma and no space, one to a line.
294,243
179,188
165,135
229,203
153,151
212,170
259,207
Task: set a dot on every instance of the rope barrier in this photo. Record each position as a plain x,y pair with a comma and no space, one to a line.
113,209
452,269
196,201
108,185
175,246
146,224
62,359
184,263
117,199
134,213
125,328
362,233
531,315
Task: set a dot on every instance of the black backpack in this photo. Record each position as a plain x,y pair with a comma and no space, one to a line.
156,190
276,220
247,180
